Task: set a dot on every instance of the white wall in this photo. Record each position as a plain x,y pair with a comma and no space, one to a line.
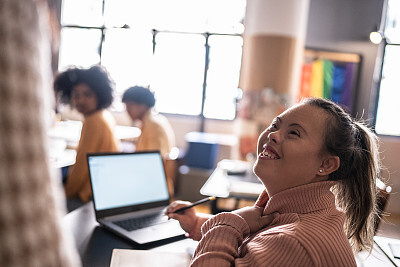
344,25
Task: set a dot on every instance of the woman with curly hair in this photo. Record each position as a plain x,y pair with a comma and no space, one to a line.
90,91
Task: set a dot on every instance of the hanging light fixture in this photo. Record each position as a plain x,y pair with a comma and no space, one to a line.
376,37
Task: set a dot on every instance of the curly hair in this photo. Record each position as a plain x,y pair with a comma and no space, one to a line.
95,77
357,147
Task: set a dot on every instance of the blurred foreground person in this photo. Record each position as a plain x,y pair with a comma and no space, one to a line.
31,200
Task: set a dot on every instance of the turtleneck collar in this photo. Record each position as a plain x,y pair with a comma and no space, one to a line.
302,199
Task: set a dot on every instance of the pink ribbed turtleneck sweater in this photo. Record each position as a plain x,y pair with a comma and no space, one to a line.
307,232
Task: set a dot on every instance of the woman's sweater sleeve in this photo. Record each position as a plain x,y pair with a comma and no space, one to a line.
275,250
222,235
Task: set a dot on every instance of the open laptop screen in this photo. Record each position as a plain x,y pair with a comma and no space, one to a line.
120,180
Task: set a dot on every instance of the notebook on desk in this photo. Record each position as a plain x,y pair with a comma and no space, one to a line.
130,194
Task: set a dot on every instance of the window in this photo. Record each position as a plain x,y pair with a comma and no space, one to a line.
179,72
387,118
187,51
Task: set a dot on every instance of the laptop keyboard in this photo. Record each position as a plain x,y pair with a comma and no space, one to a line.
141,222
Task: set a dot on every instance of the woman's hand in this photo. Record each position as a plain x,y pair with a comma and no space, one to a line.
254,217
189,220
262,199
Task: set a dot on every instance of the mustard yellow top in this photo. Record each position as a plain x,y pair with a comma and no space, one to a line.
97,136
157,134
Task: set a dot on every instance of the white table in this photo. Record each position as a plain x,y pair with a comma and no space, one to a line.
64,138
63,159
381,254
70,131
233,178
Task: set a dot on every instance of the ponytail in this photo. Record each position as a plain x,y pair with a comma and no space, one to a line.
357,147
356,193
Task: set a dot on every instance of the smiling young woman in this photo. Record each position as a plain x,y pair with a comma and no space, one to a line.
319,168
291,150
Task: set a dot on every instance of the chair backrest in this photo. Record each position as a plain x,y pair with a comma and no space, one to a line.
383,194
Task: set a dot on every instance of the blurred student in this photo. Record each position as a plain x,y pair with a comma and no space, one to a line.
90,91
157,133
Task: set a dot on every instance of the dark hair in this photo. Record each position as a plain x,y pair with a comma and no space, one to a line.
357,147
140,95
96,77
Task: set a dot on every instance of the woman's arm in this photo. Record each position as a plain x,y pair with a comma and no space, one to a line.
222,236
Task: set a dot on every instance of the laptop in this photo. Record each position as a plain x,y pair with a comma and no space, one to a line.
130,195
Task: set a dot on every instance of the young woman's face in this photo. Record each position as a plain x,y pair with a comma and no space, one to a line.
289,150
84,99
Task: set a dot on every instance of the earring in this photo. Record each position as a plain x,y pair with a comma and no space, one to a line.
320,170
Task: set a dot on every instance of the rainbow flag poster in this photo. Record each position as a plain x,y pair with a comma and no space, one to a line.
330,79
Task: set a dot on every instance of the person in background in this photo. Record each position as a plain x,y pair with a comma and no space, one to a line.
31,198
90,91
157,133
319,168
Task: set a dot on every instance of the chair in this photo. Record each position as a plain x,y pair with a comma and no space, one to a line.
383,194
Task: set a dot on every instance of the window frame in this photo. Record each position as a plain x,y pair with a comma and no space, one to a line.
103,28
381,56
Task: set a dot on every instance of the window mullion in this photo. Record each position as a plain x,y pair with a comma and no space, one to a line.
206,64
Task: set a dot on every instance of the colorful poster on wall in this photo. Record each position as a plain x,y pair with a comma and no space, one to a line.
331,75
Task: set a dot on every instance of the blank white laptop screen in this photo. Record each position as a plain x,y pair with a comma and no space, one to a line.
127,179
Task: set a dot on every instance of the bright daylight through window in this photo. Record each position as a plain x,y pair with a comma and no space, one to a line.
187,51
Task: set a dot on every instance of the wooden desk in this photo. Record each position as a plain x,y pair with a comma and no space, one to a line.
95,244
